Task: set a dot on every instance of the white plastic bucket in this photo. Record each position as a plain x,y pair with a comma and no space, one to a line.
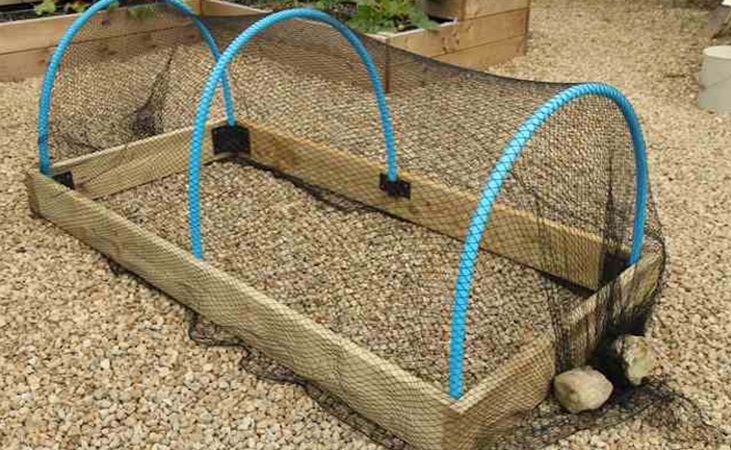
715,79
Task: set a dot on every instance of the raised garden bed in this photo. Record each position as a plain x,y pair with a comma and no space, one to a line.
488,33
321,259
474,42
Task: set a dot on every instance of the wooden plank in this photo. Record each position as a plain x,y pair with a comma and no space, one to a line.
45,32
124,167
479,8
31,63
381,391
31,34
524,381
469,9
457,36
218,8
514,234
484,56
22,65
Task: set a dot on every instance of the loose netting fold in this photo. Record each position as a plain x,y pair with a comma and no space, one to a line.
562,226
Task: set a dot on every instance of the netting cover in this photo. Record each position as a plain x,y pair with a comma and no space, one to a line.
364,267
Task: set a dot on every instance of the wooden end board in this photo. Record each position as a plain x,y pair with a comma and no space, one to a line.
120,168
514,234
410,408
524,381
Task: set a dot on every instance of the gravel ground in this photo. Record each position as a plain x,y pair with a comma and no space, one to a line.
92,360
384,283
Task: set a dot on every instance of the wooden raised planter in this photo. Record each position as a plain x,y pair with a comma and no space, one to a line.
27,45
483,33
489,34
413,409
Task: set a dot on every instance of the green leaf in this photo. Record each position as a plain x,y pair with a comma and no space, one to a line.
46,7
421,20
388,15
141,12
77,6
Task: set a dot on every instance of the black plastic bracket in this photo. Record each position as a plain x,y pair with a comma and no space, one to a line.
65,178
231,139
613,267
398,188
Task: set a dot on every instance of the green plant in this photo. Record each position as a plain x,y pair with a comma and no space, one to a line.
45,7
388,15
141,12
79,6
50,7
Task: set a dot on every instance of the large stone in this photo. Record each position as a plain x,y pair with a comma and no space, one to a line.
582,389
636,357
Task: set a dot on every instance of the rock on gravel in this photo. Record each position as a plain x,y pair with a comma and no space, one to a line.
582,389
636,357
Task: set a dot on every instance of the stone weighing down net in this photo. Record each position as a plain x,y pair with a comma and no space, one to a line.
457,228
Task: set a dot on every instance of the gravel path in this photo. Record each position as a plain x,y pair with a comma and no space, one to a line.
92,360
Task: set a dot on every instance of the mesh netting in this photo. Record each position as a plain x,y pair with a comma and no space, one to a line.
375,276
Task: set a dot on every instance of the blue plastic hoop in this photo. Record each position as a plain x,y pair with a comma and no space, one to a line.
204,104
481,215
44,109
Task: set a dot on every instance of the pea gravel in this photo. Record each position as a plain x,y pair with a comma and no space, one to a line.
383,283
89,360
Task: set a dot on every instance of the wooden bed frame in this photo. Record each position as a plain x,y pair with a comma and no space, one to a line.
413,409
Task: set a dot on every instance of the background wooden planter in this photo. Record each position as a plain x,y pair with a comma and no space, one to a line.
484,32
493,31
497,34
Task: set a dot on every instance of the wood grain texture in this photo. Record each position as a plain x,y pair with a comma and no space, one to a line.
32,63
458,36
45,32
484,56
381,391
124,167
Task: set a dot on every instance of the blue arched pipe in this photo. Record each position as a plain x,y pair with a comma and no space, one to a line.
481,215
44,109
204,104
